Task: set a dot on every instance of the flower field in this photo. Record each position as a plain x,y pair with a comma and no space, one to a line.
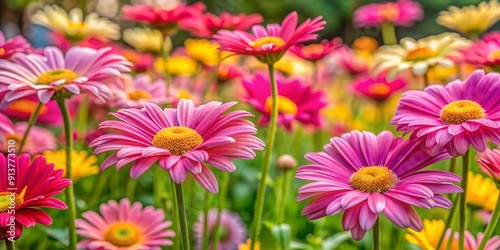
239,126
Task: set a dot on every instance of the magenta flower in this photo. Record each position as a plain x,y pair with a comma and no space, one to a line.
54,75
269,43
399,13
11,46
232,231
454,116
124,226
485,52
207,24
23,108
364,174
36,182
489,163
159,16
181,139
315,52
135,91
296,100
377,88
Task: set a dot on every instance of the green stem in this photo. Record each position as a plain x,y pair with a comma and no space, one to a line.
98,187
166,71
70,196
389,33
285,186
182,216
426,80
463,205
159,187
9,245
259,203
447,224
175,215
205,220
130,189
31,122
317,142
492,225
220,206
376,235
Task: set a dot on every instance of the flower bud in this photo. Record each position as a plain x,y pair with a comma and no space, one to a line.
286,162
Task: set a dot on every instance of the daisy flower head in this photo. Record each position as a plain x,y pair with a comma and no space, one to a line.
38,140
471,20
73,26
455,116
268,44
144,39
36,183
296,100
135,91
177,65
364,175
418,55
182,139
346,60
315,52
489,163
482,192
207,24
13,45
399,13
53,75
377,88
86,163
203,51
232,231
124,226
484,52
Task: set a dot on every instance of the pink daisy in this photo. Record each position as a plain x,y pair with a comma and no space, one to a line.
269,43
54,75
158,16
124,226
135,91
377,88
364,174
346,60
296,100
6,128
35,183
315,52
485,52
399,13
232,231
181,139
454,116
11,46
39,139
489,162
207,24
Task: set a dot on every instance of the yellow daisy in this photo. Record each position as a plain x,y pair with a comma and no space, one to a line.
177,65
471,20
418,55
247,245
428,238
481,192
83,164
203,51
144,39
73,26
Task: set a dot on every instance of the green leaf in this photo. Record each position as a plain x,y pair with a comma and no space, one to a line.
59,234
335,240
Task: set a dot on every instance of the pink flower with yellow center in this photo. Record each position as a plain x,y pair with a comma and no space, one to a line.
455,116
269,43
54,75
377,88
485,52
11,46
182,139
208,24
315,52
399,13
36,182
296,100
135,91
232,231
489,163
364,175
124,226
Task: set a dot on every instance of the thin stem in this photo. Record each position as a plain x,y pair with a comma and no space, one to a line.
31,122
205,220
166,70
259,203
130,189
70,196
9,245
463,205
389,33
159,187
492,225
182,216
376,235
426,80
220,206
285,186
447,224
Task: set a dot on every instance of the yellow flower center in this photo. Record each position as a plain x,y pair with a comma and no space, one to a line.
9,201
461,111
268,42
285,105
379,89
2,51
177,140
420,54
15,137
138,94
373,179
184,94
365,43
54,75
123,234
493,56
389,11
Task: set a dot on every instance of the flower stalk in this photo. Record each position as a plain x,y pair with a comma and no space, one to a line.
463,204
182,216
491,226
31,122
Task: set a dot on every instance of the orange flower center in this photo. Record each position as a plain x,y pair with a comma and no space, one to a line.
379,89
458,112
313,49
420,54
285,105
138,94
389,11
123,234
268,42
373,179
55,75
2,51
27,106
9,201
15,137
178,140
365,43
495,55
